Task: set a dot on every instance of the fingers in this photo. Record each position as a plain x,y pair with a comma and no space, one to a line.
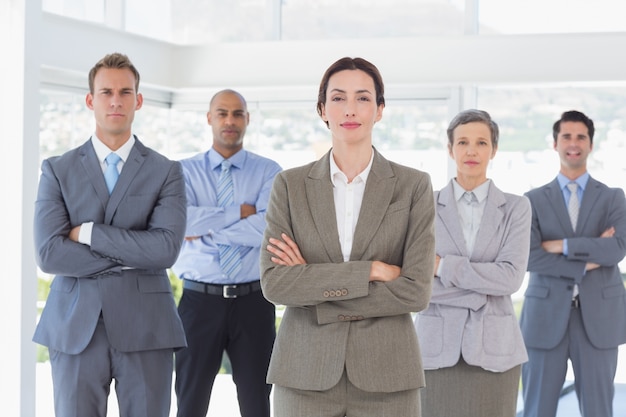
285,251
610,232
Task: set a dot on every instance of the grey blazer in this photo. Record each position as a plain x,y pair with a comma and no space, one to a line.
552,276
335,319
137,234
471,312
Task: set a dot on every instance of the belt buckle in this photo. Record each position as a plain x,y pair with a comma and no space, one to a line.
226,293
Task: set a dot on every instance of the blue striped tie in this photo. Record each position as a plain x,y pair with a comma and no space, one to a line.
230,259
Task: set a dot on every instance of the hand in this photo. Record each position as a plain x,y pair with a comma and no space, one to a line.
590,265
553,246
608,232
247,210
437,260
190,238
286,251
383,272
74,233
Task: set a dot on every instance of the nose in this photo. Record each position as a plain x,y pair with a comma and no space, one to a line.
349,108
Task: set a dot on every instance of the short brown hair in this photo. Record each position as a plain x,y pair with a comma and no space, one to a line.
348,63
116,61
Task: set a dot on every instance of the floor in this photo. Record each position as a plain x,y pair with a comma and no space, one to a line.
224,398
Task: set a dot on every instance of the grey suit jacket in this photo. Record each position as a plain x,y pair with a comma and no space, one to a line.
471,311
336,319
137,234
552,276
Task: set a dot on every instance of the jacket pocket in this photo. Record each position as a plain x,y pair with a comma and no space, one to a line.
499,335
613,291
537,291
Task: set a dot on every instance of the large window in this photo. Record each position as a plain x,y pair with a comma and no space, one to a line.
552,16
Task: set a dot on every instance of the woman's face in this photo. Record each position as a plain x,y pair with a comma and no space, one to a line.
472,150
350,108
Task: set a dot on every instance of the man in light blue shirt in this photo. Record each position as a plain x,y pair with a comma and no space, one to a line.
222,306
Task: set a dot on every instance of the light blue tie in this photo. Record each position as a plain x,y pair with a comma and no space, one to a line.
230,258
111,173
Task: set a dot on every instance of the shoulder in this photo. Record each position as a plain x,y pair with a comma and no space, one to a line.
256,162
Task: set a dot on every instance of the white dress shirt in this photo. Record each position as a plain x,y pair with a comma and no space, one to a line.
348,198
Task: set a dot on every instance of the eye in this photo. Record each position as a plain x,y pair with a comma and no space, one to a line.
336,98
364,98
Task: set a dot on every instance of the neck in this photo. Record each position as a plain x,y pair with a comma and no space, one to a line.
113,142
572,174
352,160
470,183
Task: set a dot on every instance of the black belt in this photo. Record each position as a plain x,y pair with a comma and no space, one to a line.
575,302
226,290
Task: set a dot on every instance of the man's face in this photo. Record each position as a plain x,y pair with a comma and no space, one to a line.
573,145
114,102
228,118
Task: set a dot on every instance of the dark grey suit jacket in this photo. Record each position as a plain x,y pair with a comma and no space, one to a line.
547,305
137,234
335,319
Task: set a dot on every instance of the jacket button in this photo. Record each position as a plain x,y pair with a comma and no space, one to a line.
344,292
326,294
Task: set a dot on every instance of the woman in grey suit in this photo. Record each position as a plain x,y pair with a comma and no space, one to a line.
472,346
350,242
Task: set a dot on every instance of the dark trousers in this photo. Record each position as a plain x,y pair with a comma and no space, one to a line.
244,328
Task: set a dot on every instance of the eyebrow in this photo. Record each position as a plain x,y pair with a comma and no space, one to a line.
338,90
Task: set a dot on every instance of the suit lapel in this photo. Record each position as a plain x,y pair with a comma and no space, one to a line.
448,215
378,194
130,170
319,191
554,197
590,198
91,166
492,217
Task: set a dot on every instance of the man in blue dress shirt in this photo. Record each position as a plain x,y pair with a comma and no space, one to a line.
222,306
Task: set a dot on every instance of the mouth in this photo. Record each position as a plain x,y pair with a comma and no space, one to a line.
471,163
573,153
350,125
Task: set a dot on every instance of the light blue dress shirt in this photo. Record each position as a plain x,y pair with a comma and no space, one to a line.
582,183
253,176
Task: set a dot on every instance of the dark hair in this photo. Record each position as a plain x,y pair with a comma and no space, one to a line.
116,61
348,63
471,116
573,116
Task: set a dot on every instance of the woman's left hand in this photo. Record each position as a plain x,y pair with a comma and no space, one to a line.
286,251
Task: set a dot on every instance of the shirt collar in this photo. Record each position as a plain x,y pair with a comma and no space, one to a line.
215,159
581,181
480,192
334,170
102,151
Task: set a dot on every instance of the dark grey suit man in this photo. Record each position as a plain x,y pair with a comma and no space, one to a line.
110,313
575,305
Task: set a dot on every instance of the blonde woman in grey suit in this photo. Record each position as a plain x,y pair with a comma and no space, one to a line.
351,252
472,346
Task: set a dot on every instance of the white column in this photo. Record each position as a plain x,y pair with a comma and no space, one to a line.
19,118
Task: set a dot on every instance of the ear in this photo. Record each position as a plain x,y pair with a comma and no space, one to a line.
450,151
493,153
139,101
323,113
379,112
89,101
247,118
208,117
